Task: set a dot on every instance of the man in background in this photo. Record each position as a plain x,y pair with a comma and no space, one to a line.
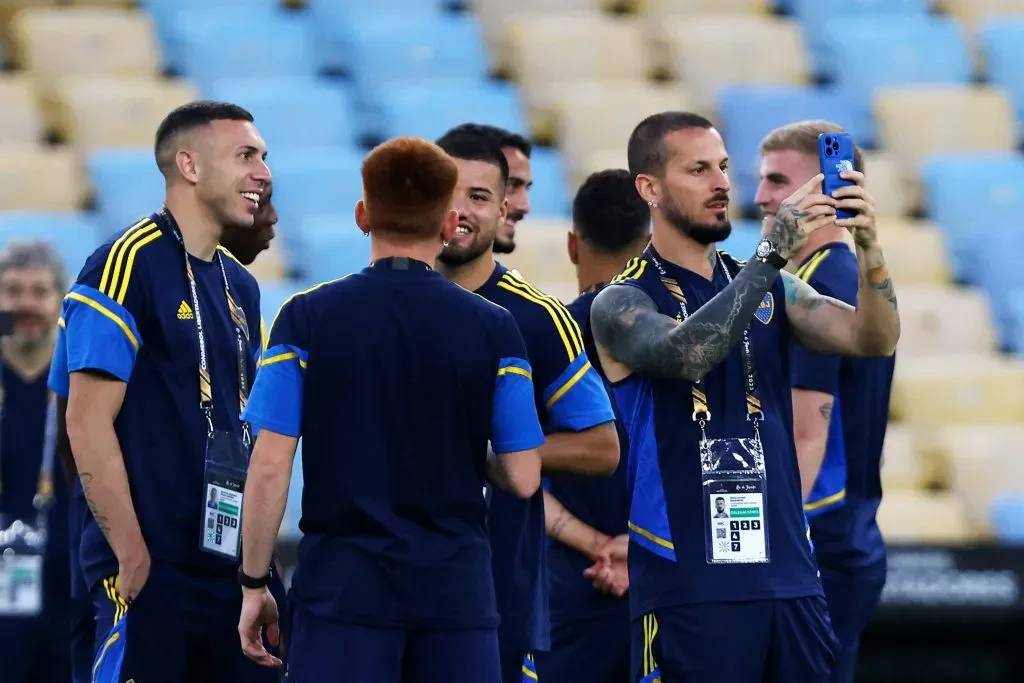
840,409
586,517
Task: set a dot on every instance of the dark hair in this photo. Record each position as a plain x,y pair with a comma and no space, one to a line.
470,146
188,117
407,187
608,213
501,137
646,148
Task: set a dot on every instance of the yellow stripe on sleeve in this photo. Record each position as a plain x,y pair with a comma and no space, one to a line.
566,327
106,312
121,258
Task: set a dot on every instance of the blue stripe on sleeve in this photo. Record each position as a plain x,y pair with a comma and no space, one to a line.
276,399
101,333
577,399
514,424
59,380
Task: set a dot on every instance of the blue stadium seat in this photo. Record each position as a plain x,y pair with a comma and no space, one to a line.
1002,42
1007,517
326,180
872,53
331,23
748,113
429,109
293,507
274,294
410,50
332,247
294,112
74,235
1001,273
549,196
212,44
745,236
965,194
127,185
813,15
1015,323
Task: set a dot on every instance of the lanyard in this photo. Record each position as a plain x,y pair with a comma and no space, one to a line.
44,484
701,413
237,320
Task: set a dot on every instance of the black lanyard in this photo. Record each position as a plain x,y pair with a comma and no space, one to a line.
44,484
701,413
237,320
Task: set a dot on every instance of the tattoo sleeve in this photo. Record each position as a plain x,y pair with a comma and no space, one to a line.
101,521
629,326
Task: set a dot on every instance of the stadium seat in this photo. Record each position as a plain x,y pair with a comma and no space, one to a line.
917,122
963,389
593,115
709,53
745,236
272,264
332,246
73,234
47,179
274,294
51,43
748,113
1002,45
1015,325
971,12
984,462
126,184
1001,273
592,162
915,252
20,121
903,464
207,44
900,51
1007,519
945,320
541,255
884,181
103,111
965,194
931,518
550,196
657,9
431,108
293,112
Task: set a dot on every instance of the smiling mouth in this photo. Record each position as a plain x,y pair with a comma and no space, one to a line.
718,206
462,230
253,197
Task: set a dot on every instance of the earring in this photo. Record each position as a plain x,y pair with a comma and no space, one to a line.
366,233
653,205
444,243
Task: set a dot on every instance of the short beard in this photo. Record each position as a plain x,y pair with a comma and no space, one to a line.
456,257
701,233
504,246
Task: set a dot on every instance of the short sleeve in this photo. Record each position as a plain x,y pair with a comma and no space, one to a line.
58,380
514,422
832,274
276,399
103,310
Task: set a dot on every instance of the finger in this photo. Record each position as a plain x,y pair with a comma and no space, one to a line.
252,647
818,210
857,205
816,199
854,224
849,191
274,634
818,223
807,187
855,176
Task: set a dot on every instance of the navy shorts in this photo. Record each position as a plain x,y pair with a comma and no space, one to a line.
851,603
592,650
518,667
769,641
324,651
179,629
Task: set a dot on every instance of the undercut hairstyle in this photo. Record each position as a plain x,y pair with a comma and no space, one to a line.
501,137
18,254
608,213
646,151
470,146
408,184
802,137
184,120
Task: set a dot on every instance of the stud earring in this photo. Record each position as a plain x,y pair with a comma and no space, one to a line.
653,205
444,243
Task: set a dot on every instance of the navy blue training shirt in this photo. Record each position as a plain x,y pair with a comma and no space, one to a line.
129,315
848,490
667,562
600,502
570,396
396,379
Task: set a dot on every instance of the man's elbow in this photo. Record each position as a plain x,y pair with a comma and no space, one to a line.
522,473
605,449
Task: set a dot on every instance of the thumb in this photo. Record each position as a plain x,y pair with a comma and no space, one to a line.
274,634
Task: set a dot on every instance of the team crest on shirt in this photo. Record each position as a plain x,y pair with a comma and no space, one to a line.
766,309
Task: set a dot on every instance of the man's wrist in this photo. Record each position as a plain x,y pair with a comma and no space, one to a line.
253,582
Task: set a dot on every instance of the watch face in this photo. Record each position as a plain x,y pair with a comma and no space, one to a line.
764,247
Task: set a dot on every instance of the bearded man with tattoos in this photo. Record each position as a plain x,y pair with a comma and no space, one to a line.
696,346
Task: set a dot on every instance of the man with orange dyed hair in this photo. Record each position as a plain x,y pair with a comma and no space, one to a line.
397,380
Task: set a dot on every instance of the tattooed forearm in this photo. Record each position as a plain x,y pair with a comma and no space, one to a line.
826,411
881,281
629,326
563,518
101,521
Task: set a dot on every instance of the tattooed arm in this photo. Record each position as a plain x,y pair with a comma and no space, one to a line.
570,530
812,414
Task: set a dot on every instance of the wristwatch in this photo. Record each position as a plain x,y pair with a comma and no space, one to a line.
767,253
251,582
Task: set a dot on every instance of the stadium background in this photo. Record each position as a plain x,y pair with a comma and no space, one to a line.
934,90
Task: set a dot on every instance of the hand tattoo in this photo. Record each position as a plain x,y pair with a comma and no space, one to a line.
101,521
627,323
786,231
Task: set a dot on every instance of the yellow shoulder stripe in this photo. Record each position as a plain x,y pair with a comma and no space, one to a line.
633,270
117,271
807,270
567,328
302,293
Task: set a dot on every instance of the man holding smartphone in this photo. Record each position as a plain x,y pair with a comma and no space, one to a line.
840,407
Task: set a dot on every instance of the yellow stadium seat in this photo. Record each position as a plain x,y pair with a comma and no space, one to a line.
914,122
20,122
116,112
602,114
269,266
708,53
103,3
8,9
902,465
960,389
40,179
885,183
915,252
911,516
542,257
972,11
663,8
944,320
51,43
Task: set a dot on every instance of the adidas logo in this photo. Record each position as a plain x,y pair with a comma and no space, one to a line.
185,312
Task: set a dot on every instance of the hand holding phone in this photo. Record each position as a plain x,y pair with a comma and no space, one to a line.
835,155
